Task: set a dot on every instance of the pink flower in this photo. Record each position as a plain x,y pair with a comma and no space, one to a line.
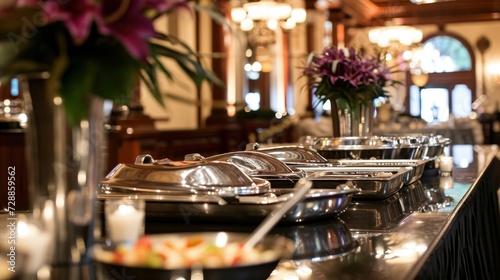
124,19
78,16
344,74
165,5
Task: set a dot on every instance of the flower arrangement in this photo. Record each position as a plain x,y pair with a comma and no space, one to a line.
98,47
346,77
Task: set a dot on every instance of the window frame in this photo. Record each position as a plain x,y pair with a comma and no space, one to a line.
447,80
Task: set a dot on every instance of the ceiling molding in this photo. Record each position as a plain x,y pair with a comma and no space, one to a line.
367,13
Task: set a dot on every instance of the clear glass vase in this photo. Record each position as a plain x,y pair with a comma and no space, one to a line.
65,164
347,124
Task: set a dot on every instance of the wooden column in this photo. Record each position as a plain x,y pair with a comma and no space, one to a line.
219,113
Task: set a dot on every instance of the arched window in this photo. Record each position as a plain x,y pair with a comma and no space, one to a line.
451,84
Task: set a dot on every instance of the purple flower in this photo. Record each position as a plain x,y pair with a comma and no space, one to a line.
165,5
122,19
126,21
77,15
346,74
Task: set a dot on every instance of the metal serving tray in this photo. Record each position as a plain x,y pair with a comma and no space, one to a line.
374,182
417,165
318,203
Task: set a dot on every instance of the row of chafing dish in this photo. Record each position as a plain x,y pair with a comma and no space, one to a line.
245,186
378,147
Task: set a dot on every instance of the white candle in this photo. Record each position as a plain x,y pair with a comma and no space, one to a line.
32,242
446,164
125,224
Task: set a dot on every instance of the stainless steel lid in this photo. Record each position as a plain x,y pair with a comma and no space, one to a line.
254,164
291,154
356,143
208,177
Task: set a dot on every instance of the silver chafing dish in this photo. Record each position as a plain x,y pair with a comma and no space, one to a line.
417,165
169,177
213,191
290,154
318,203
374,182
378,147
254,164
355,147
408,147
433,145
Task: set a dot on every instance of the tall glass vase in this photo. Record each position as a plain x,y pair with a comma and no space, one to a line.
64,164
347,123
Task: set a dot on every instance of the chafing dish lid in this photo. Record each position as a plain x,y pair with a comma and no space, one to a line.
254,163
291,154
353,143
219,178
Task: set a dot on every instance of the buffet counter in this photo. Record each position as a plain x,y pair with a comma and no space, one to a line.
436,228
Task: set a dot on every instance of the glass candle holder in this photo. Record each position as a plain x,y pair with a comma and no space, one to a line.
124,220
446,165
26,247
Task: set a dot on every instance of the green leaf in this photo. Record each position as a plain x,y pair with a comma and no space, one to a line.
115,79
76,86
148,76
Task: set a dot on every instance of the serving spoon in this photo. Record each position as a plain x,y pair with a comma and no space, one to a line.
300,189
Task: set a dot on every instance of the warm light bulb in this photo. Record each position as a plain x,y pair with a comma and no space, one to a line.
299,15
256,66
407,55
246,24
417,36
238,14
289,24
420,80
272,24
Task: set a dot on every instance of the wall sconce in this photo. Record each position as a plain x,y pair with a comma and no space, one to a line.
419,78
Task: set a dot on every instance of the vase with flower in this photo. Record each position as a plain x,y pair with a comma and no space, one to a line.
68,58
351,83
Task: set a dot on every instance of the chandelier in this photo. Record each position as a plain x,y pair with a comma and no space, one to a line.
268,13
391,34
260,20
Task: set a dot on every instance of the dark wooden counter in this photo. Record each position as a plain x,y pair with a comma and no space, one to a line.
436,228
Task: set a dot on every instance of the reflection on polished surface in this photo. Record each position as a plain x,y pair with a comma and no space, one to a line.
396,235
432,229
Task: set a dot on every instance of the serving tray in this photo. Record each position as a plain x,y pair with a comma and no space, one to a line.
374,182
417,165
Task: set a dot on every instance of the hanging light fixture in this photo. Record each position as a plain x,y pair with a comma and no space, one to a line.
391,34
260,20
273,14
